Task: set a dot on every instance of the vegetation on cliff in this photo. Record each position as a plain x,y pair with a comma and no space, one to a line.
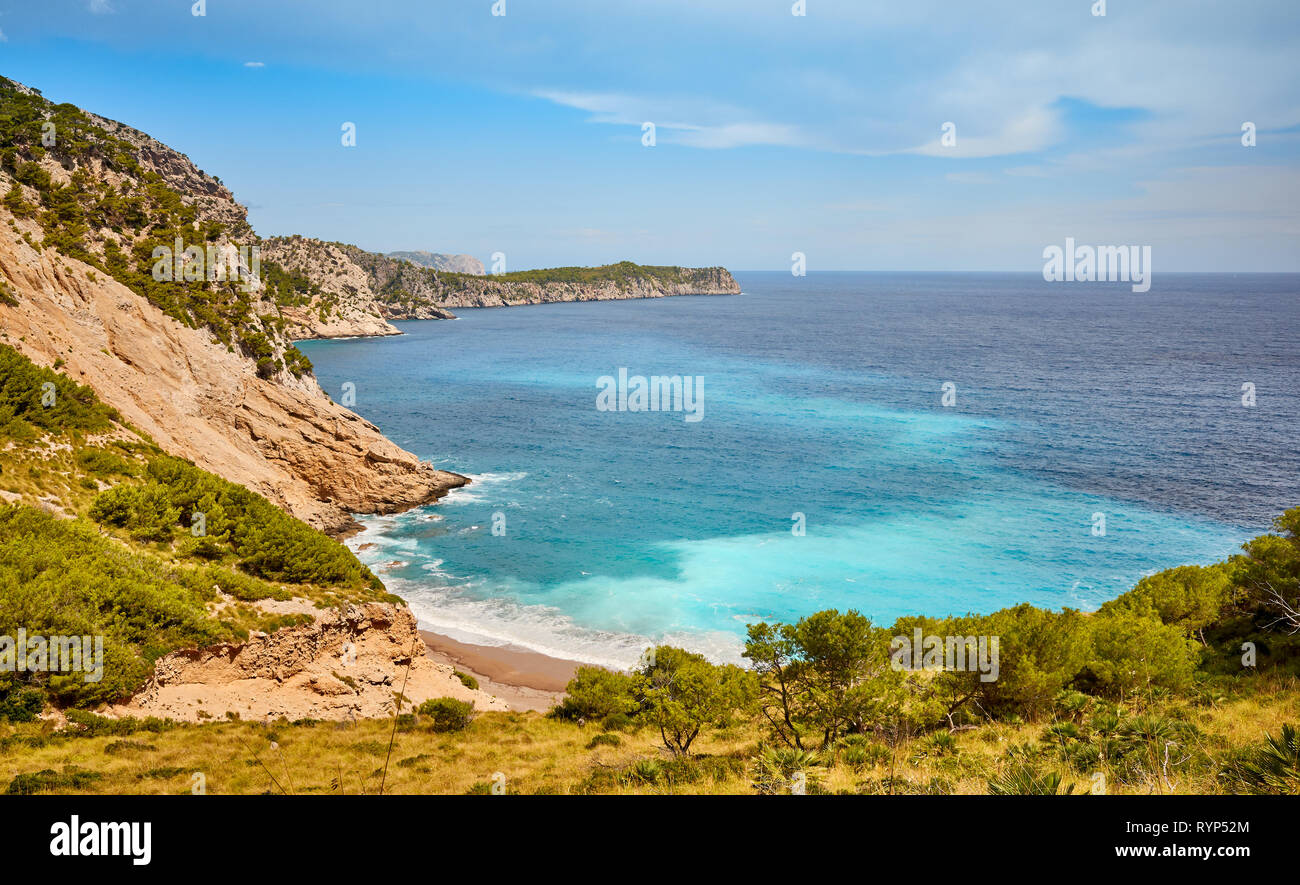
624,274
95,201
107,535
399,288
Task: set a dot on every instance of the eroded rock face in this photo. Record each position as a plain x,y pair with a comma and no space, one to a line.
353,310
367,288
349,664
281,437
209,196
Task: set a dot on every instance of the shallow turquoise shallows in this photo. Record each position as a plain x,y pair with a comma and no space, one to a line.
823,406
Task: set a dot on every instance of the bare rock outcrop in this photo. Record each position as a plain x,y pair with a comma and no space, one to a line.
349,308
349,664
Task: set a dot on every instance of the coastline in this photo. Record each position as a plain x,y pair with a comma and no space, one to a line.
524,679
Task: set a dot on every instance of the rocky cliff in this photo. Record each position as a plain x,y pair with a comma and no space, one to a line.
283,438
202,363
520,289
360,291
358,288
345,306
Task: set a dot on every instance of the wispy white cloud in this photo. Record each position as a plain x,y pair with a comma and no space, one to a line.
1038,129
690,122
101,7
254,64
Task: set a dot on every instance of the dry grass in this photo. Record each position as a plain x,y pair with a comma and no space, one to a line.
534,754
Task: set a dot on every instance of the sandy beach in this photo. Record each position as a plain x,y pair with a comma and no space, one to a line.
524,679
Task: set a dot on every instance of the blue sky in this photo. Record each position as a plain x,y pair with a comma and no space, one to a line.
776,133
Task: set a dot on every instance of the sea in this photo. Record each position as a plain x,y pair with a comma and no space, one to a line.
893,443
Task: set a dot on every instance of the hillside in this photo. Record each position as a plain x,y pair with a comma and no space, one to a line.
205,366
609,282
363,290
208,598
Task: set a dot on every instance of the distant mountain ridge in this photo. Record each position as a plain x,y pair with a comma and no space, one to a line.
466,264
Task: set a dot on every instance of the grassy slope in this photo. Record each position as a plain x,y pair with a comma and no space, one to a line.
126,564
541,755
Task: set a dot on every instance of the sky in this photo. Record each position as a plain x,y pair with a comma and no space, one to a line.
775,133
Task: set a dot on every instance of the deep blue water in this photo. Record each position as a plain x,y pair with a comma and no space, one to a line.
822,396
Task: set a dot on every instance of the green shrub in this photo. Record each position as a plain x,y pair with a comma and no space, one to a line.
115,747
86,724
1135,654
596,693
858,751
268,542
448,714
102,463
20,703
1271,768
778,770
24,394
48,780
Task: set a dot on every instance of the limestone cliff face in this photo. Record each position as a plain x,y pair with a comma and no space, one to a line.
281,437
351,281
362,290
406,291
490,292
349,307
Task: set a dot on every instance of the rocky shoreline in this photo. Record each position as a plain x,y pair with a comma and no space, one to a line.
362,293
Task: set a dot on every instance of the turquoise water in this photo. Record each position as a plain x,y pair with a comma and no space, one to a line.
822,397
